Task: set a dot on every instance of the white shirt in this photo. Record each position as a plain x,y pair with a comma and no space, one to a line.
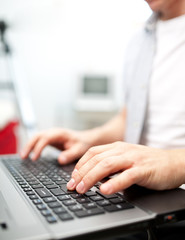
165,118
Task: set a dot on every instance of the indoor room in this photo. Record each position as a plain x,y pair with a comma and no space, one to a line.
55,45
92,129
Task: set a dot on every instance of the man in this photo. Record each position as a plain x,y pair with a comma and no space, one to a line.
145,143
153,116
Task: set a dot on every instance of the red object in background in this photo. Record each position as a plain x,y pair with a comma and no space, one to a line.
8,140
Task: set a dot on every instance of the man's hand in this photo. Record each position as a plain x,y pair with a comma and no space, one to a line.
72,143
148,167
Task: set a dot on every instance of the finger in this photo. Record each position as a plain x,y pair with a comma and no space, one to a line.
91,153
29,147
111,162
47,137
120,162
71,154
122,181
103,169
39,146
78,174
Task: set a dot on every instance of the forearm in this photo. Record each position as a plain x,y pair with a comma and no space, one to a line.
111,131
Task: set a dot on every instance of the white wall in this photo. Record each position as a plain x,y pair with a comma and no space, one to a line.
54,41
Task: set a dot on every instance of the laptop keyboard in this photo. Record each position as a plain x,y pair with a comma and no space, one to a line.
44,184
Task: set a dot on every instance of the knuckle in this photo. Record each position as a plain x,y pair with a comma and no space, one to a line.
79,175
96,159
77,166
132,176
88,180
41,144
106,163
116,183
117,143
92,151
45,140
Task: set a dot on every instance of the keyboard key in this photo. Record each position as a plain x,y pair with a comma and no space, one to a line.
54,204
57,191
27,189
49,199
41,206
103,203
30,193
22,183
96,198
37,201
59,210
37,186
44,179
89,212
107,196
83,200
25,186
46,212
43,192
32,197
51,219
118,207
53,186
117,200
90,205
69,202
65,216
33,183
60,182
90,193
75,208
46,183
64,197
77,195
56,178
67,178
64,188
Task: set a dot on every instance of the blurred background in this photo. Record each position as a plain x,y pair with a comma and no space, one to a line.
61,63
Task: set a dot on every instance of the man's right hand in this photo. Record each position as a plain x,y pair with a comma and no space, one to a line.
72,143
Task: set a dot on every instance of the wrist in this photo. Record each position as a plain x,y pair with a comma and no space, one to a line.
95,136
178,162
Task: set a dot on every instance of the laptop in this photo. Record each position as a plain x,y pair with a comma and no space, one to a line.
35,204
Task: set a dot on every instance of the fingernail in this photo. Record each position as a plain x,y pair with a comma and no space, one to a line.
106,188
71,183
33,157
80,187
62,159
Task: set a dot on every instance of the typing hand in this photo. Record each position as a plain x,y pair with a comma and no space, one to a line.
72,143
137,164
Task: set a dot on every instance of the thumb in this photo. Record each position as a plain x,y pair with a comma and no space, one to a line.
70,155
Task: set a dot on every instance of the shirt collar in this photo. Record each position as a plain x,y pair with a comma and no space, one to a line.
150,25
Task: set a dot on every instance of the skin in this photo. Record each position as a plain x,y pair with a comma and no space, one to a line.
102,151
168,9
74,144
148,167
